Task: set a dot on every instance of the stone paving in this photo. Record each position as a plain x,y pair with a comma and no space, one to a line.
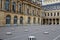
22,32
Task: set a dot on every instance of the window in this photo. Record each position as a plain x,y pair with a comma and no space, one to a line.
0,4
45,14
48,14
33,12
8,19
21,20
58,14
14,6
7,5
51,14
20,8
29,20
15,19
28,11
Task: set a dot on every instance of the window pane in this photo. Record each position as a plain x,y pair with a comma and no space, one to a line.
7,5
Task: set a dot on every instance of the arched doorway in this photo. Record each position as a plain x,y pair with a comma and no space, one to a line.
8,19
57,20
47,21
34,20
43,21
29,20
50,21
54,21
21,20
15,19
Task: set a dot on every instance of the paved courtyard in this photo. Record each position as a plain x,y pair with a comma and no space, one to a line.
22,32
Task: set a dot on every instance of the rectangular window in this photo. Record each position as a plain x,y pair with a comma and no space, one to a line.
28,11
33,12
45,14
54,14
48,14
0,4
20,6
7,5
58,14
51,14
14,7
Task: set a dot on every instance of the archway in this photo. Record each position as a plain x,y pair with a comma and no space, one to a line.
29,20
34,20
50,21
15,19
43,21
57,20
47,21
54,21
21,20
8,19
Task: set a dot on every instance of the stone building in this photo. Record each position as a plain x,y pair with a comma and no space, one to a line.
16,12
51,12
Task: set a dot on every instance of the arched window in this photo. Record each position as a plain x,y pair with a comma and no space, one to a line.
21,20
15,19
29,20
7,5
8,19
14,6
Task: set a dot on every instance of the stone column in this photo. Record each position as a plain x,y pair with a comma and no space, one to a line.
31,20
24,20
18,21
3,4
12,20
36,20
2,19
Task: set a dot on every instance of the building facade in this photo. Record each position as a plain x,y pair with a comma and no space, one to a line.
51,12
16,12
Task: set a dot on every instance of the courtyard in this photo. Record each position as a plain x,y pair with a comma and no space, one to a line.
22,32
